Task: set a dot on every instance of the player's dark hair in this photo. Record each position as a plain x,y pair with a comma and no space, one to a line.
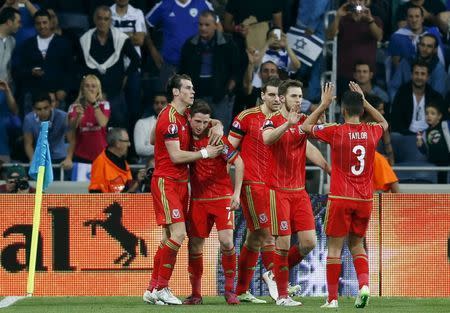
353,103
8,14
272,81
361,62
285,85
40,97
41,12
175,83
374,100
200,106
420,63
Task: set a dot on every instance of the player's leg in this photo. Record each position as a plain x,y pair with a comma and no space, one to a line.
268,251
228,264
334,267
195,269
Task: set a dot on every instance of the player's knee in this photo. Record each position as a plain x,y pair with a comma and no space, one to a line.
178,236
308,246
227,244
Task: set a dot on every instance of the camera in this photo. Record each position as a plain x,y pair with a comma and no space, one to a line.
20,185
351,7
145,185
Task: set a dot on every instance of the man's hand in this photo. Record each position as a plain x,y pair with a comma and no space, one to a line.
215,134
140,175
327,96
366,15
37,72
283,41
419,139
253,55
235,202
355,87
67,164
294,115
213,151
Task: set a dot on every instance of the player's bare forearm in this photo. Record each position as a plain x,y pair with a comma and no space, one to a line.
235,142
272,135
238,175
312,119
313,154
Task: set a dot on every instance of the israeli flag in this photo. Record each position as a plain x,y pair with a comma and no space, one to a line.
306,47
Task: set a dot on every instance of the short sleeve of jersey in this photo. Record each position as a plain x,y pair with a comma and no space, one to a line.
229,153
239,127
169,130
324,132
140,23
71,112
155,16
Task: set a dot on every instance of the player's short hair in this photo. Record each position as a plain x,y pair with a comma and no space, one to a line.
8,14
285,85
114,135
374,100
41,12
200,106
175,83
41,96
353,103
272,81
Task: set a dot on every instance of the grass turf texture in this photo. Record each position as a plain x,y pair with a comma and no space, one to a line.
217,304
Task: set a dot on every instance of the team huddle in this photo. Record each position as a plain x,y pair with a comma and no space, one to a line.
268,145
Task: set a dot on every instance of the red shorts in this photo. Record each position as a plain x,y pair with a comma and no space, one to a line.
255,206
204,214
347,216
290,212
170,200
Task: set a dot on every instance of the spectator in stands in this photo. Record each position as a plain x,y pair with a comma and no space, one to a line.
88,117
408,108
278,51
27,11
179,21
105,50
431,10
358,33
43,110
16,181
210,58
252,85
9,25
110,170
9,119
386,148
131,21
427,52
142,130
363,75
72,15
403,42
45,61
435,140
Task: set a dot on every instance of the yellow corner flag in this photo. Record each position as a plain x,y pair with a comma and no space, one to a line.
41,170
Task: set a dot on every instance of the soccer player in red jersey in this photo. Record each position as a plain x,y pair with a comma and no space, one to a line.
246,133
353,146
213,201
169,184
290,207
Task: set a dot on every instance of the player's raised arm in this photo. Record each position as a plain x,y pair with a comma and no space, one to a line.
313,154
326,99
238,179
271,134
374,113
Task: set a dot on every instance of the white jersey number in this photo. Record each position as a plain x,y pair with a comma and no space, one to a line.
360,152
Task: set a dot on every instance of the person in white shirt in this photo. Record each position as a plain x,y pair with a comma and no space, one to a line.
142,131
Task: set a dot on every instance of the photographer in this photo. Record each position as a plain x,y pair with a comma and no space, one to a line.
16,181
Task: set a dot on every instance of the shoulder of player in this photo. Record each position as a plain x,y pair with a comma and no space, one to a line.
248,113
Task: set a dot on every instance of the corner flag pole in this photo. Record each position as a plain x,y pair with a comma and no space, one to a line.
41,170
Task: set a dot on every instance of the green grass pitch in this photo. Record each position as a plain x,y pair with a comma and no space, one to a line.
217,304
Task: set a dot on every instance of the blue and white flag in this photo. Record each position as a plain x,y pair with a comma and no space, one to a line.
306,47
42,157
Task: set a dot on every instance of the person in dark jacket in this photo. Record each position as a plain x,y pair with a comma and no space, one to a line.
211,59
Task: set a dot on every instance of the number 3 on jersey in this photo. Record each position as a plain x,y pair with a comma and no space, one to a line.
360,152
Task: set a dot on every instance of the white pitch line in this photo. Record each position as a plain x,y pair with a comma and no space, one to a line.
6,302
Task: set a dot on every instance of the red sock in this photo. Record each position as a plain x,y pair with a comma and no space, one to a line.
281,271
246,268
168,258
195,270
361,264
294,256
333,272
156,261
229,268
267,255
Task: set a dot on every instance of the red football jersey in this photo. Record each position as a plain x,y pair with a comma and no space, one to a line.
255,154
171,126
209,177
287,163
352,157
